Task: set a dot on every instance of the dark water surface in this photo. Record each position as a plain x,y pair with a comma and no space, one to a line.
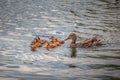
22,20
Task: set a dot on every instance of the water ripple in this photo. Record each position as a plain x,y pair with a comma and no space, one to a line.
21,21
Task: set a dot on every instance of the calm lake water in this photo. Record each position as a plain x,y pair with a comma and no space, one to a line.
22,20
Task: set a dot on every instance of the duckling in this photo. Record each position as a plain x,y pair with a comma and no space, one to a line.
42,41
57,40
54,42
35,40
97,43
52,38
89,42
60,41
36,45
48,45
57,43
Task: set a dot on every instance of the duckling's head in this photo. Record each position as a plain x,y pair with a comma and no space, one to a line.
46,43
52,37
72,36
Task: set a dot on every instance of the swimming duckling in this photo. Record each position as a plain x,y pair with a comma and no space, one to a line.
97,43
37,42
54,42
60,41
53,39
36,45
49,45
43,41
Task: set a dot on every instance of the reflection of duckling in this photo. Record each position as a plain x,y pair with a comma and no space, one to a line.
83,43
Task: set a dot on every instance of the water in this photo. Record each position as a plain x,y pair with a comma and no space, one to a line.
22,20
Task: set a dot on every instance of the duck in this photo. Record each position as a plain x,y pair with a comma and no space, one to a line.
89,42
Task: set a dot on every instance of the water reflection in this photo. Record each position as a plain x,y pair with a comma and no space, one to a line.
73,52
22,20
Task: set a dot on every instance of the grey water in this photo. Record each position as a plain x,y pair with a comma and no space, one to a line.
22,20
